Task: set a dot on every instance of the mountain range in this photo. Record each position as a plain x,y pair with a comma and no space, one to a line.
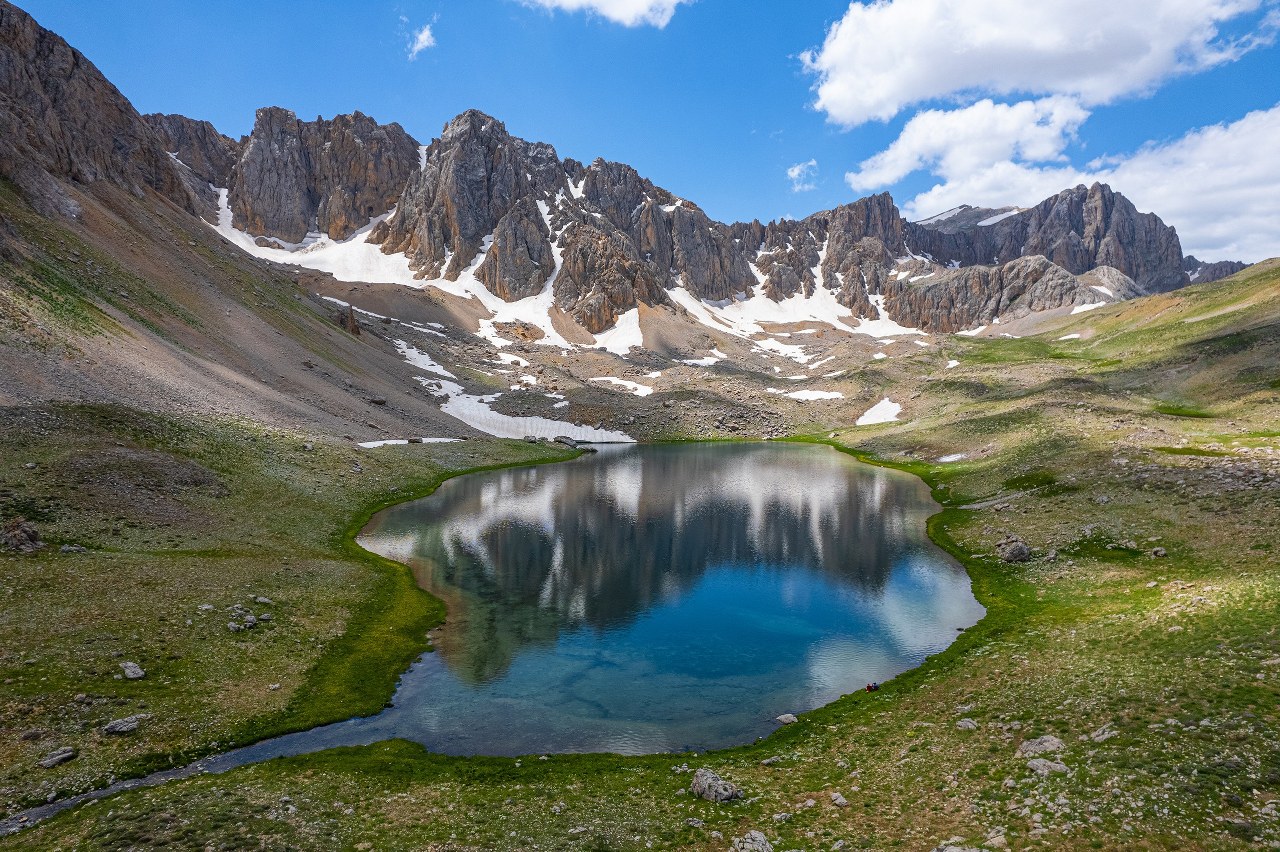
479,201
478,246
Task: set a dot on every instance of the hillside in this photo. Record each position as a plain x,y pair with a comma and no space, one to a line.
205,344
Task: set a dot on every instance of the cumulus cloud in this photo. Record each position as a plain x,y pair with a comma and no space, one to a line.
629,13
802,176
886,56
1215,184
421,40
955,143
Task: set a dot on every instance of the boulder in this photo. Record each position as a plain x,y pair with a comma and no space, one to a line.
57,757
1044,767
710,786
127,725
1040,745
1013,550
133,671
20,536
754,841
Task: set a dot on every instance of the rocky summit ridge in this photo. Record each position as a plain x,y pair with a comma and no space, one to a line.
479,201
592,241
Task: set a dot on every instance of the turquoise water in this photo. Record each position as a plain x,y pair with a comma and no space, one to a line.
663,598
647,599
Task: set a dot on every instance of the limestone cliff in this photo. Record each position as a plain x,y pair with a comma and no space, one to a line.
332,176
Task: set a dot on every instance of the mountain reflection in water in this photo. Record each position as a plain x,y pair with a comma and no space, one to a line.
763,557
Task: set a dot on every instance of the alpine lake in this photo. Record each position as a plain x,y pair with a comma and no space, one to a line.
657,598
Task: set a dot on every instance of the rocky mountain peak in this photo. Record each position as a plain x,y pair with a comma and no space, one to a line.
62,120
331,176
210,155
1079,229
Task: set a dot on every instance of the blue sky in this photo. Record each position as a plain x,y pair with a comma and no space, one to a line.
936,101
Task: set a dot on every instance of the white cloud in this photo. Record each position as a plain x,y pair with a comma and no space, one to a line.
1217,185
629,13
883,57
422,39
802,176
955,143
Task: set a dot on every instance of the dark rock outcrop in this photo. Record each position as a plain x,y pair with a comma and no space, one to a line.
474,175
62,120
957,299
1205,273
602,277
333,176
210,155
521,259
1078,229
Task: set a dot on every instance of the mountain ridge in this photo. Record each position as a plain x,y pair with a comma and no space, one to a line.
633,241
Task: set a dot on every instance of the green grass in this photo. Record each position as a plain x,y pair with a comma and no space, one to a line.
1172,410
271,520
1191,451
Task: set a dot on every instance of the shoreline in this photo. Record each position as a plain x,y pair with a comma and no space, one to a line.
347,541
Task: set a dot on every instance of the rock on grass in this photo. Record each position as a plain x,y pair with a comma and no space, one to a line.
710,786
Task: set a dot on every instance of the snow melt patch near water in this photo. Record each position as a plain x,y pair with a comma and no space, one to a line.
476,412
399,442
884,411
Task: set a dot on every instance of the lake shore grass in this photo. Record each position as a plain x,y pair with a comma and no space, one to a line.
1070,647
1141,633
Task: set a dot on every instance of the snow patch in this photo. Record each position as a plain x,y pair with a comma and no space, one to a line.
999,217
421,360
624,336
397,442
634,387
1080,309
884,411
807,395
1069,337
941,217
